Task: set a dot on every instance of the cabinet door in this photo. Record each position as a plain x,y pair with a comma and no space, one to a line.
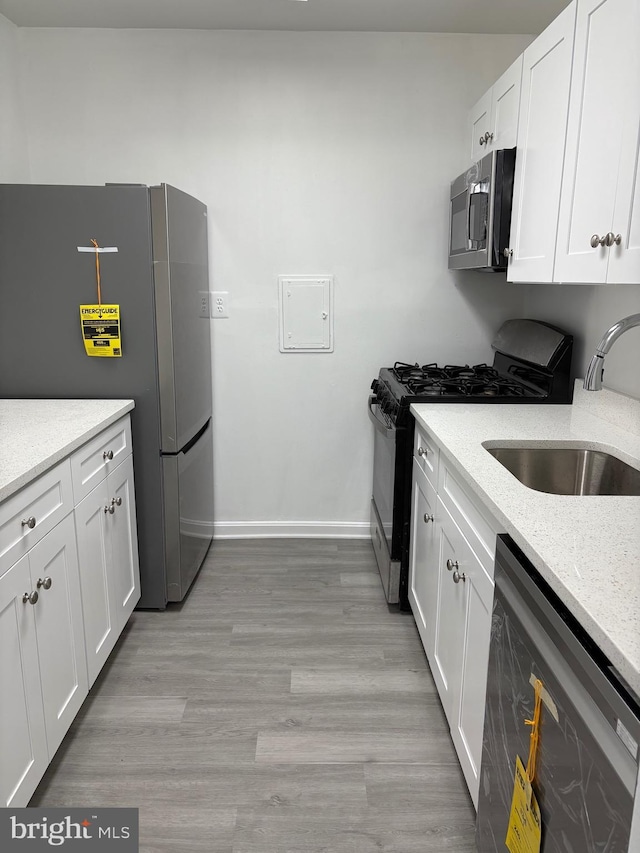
468,721
546,75
100,622
59,629
423,567
450,613
598,109
23,743
121,531
624,259
505,108
480,124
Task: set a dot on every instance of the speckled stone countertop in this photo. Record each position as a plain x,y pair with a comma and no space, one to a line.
587,548
35,434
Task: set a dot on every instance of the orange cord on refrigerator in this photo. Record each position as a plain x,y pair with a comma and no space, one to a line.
535,731
95,244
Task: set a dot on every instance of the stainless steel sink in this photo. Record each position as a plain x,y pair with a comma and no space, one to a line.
569,470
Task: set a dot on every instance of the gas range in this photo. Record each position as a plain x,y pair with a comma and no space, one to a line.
399,386
532,364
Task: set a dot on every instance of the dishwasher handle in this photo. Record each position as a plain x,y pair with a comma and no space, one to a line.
379,424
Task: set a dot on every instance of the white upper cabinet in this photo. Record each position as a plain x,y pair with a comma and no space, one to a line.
598,227
494,119
546,77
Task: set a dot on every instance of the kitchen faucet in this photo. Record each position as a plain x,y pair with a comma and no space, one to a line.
593,378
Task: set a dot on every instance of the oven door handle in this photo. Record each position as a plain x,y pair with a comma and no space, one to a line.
375,420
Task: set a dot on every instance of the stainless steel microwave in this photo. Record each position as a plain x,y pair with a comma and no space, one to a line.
480,213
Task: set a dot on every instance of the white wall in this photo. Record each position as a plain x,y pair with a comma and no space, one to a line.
316,153
14,164
587,311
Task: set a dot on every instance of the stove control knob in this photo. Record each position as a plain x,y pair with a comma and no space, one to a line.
375,385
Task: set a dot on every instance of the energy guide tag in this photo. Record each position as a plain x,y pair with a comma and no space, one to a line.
101,330
525,829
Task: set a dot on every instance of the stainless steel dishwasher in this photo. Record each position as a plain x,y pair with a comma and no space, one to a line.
587,762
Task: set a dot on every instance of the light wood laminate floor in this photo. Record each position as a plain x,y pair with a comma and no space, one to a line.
281,708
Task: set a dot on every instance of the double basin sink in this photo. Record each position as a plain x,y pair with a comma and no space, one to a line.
568,470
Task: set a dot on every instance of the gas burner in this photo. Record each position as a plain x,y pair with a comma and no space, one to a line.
432,387
455,371
403,371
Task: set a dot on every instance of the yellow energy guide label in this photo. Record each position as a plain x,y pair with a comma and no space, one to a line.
525,826
101,330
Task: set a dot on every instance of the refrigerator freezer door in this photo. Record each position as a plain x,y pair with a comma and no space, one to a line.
188,493
180,263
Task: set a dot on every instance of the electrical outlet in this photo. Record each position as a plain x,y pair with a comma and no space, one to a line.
203,303
220,304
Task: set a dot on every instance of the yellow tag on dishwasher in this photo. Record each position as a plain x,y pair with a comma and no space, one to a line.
101,330
525,828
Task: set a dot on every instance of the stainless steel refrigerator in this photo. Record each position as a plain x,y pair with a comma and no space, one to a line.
157,277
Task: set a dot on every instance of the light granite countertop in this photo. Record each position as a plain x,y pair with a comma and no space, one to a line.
36,434
587,548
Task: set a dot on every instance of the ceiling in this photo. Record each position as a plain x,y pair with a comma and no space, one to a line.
439,16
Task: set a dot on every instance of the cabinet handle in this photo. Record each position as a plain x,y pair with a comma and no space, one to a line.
110,509
457,576
46,583
451,565
428,517
30,597
597,241
107,455
29,522
422,451
612,238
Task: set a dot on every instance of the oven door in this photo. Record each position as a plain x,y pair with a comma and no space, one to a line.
388,523
384,468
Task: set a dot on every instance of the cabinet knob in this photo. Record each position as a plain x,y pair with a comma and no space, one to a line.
451,565
612,238
597,241
30,597
427,518
46,583
116,502
484,140
29,522
422,451
110,509
508,253
457,576
107,455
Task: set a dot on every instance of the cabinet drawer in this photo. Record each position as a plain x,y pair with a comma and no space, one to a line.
45,502
426,454
479,528
93,461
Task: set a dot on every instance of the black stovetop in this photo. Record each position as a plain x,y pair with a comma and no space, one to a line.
453,380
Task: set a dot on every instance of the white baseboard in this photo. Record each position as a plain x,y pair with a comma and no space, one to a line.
291,530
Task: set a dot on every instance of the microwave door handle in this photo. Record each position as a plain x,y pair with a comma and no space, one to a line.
375,420
469,241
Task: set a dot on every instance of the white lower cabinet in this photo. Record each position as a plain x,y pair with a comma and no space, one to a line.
451,595
43,675
107,548
423,584
63,605
23,741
